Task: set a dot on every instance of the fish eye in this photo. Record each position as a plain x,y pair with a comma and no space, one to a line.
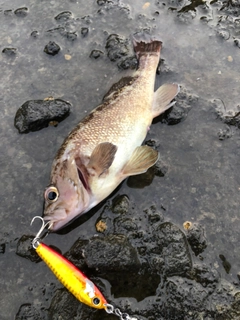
51,194
96,301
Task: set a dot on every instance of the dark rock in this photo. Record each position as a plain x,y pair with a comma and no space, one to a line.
116,47
25,249
160,168
84,31
21,12
173,256
28,312
34,115
237,42
96,54
226,264
176,115
101,2
8,12
76,253
120,204
119,255
206,276
10,52
52,48
34,34
65,306
64,16
196,238
2,248
72,36
225,133
153,215
128,63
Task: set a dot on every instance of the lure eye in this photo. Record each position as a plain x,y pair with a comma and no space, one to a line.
96,301
51,194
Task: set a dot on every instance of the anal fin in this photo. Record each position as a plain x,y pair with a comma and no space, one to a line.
142,158
163,96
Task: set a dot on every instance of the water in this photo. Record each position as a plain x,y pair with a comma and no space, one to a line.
202,184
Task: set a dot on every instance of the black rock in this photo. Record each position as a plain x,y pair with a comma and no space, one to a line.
34,34
10,52
21,12
176,115
119,255
96,54
34,115
196,238
27,311
84,31
25,249
52,48
71,36
128,63
64,306
117,47
2,248
63,16
120,204
172,255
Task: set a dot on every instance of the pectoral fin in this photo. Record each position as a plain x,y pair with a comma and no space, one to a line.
142,158
163,96
101,158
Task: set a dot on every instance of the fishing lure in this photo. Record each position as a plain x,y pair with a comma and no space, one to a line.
72,278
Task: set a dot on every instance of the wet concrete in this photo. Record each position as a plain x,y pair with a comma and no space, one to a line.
199,154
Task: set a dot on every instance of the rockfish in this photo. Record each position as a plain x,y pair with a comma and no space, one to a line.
105,147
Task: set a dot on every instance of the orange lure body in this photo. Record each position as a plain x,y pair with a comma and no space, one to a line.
72,278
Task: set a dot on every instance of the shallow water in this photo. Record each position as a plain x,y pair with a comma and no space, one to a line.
202,183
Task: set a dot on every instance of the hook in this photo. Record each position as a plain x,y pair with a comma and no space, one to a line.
35,241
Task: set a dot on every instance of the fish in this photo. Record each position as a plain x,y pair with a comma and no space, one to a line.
71,277
106,146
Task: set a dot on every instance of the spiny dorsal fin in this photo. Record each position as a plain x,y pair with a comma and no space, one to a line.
163,96
142,158
101,158
118,86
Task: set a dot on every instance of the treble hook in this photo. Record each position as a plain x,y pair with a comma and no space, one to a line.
35,242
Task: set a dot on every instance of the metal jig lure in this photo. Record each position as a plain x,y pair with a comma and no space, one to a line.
71,277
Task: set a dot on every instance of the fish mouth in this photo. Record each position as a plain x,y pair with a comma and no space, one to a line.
56,219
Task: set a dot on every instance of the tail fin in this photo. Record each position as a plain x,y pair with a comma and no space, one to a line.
142,47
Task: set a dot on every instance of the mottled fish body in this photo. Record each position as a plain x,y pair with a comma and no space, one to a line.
105,147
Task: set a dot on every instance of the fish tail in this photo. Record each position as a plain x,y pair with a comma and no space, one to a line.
147,47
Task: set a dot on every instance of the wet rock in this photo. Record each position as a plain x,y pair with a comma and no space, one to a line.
119,255
176,115
10,52
25,249
65,306
170,253
205,275
76,253
8,12
120,204
160,168
196,238
230,117
64,16
116,47
225,133
128,63
34,34
84,31
72,36
21,12
2,248
154,215
34,115
142,180
96,54
226,264
28,312
52,48
237,42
